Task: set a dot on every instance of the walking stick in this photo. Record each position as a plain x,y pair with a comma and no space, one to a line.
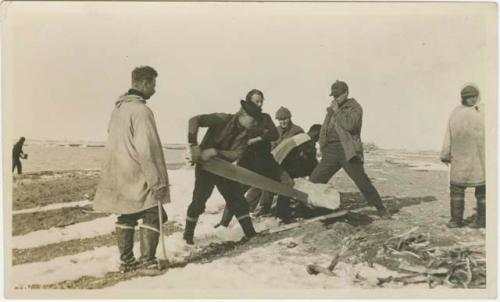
162,241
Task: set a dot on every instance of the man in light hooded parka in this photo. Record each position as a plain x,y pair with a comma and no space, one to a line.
463,149
134,174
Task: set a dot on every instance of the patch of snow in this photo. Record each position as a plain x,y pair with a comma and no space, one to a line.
106,259
420,165
429,167
54,206
182,181
96,262
378,170
181,193
88,229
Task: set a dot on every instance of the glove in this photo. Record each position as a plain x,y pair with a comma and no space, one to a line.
192,138
162,194
446,160
195,154
208,154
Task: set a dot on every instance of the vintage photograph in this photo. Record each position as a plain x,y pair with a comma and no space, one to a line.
249,149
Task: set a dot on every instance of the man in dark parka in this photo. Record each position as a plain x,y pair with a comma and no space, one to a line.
257,156
341,146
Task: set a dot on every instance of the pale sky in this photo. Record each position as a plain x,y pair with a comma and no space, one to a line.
67,63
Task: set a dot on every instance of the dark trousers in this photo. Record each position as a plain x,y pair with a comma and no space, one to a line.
458,192
294,169
231,191
333,159
16,163
282,209
149,218
260,161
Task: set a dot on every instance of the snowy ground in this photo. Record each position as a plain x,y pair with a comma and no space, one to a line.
84,253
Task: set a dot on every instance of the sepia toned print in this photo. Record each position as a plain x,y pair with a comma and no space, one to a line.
249,150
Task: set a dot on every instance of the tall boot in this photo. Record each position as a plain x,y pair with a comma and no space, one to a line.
283,211
480,221
252,197
226,218
125,239
149,237
189,230
373,198
264,205
247,226
456,212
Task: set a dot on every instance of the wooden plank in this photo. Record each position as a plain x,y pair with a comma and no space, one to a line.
236,173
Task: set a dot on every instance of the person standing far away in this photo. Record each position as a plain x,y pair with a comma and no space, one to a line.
341,146
17,154
463,150
286,127
134,175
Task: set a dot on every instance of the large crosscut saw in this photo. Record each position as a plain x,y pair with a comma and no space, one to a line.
244,176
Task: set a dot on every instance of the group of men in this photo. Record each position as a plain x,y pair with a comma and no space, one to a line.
134,180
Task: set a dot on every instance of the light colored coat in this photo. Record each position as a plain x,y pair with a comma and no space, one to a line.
464,146
134,164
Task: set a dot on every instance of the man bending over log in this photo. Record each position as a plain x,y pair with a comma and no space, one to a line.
226,138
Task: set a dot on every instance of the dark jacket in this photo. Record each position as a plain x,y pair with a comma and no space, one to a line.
224,134
346,125
301,161
17,151
292,130
258,157
265,129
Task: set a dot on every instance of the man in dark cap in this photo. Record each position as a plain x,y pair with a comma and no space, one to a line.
297,156
463,149
341,147
226,138
17,154
286,127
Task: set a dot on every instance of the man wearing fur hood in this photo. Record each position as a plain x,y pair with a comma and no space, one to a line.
463,149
